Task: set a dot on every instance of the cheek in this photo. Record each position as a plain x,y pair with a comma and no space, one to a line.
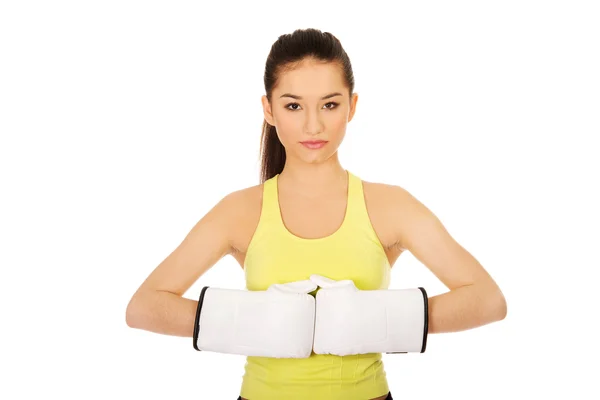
288,126
286,129
337,124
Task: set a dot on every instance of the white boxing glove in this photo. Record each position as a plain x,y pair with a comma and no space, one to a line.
277,322
352,321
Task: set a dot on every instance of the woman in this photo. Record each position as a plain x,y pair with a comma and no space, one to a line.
309,216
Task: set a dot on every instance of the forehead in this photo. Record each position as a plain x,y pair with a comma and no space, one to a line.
310,79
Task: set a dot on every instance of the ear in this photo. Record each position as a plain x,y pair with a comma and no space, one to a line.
353,101
267,111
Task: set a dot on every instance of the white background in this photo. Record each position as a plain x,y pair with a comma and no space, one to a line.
124,122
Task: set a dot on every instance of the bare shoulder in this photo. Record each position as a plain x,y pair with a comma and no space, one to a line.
382,200
245,199
245,207
378,189
243,204
393,209
387,193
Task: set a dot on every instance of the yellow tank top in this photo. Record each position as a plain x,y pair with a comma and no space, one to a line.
275,255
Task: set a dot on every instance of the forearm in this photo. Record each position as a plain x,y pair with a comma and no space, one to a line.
465,308
162,312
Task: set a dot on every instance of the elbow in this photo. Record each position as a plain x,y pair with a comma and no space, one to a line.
498,309
503,308
133,312
493,302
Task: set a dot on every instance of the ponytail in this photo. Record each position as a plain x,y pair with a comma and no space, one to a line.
272,153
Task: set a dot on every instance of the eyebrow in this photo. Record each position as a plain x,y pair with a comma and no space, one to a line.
293,96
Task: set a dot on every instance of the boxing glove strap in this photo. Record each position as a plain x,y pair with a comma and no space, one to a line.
426,327
197,321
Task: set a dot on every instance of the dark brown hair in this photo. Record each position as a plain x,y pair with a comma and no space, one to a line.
286,53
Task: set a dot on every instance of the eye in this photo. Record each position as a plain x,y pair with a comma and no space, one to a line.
296,104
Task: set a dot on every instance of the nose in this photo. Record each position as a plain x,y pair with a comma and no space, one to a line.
313,124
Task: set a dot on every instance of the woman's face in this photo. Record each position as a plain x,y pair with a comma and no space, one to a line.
300,112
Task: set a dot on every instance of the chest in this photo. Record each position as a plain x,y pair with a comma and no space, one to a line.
314,219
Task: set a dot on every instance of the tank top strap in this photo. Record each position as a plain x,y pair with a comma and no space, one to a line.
270,202
356,208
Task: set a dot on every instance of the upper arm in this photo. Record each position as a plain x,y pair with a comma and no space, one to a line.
206,243
421,232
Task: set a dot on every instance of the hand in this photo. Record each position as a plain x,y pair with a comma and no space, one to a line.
277,322
352,321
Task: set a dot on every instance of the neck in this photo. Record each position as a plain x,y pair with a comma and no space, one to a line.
313,180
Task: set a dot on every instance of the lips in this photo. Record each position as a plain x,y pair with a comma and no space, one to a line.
314,144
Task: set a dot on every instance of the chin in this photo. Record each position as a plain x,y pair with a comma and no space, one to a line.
318,158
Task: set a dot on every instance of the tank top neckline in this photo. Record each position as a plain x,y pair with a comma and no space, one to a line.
347,214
